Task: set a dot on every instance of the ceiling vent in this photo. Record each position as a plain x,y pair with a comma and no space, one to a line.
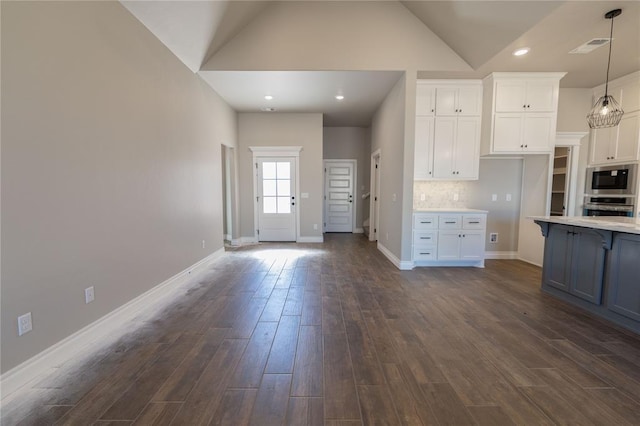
591,45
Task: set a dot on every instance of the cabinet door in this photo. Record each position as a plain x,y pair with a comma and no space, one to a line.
510,96
587,265
538,132
541,95
423,158
425,100
469,101
557,257
507,133
630,97
622,276
626,146
472,245
466,156
449,245
443,146
446,101
601,145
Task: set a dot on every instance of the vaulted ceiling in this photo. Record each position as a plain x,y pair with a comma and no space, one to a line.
232,45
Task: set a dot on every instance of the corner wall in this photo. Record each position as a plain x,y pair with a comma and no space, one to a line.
388,135
111,173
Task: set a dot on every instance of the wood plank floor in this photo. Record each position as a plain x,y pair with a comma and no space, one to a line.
333,334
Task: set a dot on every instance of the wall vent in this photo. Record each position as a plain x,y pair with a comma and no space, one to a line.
591,45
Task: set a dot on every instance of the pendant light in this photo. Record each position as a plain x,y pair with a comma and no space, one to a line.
606,112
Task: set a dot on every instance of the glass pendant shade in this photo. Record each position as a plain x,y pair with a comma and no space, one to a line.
605,113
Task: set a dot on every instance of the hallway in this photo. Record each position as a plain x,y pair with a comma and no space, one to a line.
333,334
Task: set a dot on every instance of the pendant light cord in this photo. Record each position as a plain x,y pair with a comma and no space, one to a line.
606,87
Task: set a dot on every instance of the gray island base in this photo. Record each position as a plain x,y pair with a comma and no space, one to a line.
594,263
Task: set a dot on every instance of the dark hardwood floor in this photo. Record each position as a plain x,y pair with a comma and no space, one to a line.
333,334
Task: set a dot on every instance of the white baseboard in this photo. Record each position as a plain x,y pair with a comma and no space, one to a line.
358,231
243,241
402,265
501,255
30,370
529,262
319,239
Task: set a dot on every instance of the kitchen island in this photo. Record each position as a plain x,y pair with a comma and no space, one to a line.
594,262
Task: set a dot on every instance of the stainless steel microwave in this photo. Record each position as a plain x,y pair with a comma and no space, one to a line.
612,180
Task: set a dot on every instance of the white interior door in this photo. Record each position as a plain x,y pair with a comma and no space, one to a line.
338,196
276,199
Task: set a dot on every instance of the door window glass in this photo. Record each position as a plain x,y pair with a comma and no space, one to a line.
276,187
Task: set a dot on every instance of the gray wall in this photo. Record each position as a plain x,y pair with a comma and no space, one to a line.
280,129
497,176
351,143
573,106
388,135
319,35
111,172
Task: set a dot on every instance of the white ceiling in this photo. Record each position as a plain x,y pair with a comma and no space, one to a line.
307,91
483,33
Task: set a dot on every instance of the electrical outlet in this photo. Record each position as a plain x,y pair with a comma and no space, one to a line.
508,197
315,226
493,237
422,197
24,324
456,197
494,197
393,197
89,294
204,243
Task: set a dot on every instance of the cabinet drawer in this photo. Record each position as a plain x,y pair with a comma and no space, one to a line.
424,253
425,221
449,222
474,222
423,239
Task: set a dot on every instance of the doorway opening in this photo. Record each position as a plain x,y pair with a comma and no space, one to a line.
374,205
228,195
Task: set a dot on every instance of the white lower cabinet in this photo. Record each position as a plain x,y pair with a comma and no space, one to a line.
455,238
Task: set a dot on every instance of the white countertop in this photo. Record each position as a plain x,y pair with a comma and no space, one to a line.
629,225
450,210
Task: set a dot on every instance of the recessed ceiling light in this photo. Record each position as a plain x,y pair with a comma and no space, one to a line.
339,97
268,97
268,109
522,51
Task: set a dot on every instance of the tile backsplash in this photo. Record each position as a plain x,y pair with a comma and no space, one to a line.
440,194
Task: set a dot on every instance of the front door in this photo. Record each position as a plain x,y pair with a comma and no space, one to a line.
338,196
276,199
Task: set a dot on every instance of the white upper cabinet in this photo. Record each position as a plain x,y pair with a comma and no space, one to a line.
526,95
423,158
616,144
519,113
425,100
447,146
620,144
464,100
